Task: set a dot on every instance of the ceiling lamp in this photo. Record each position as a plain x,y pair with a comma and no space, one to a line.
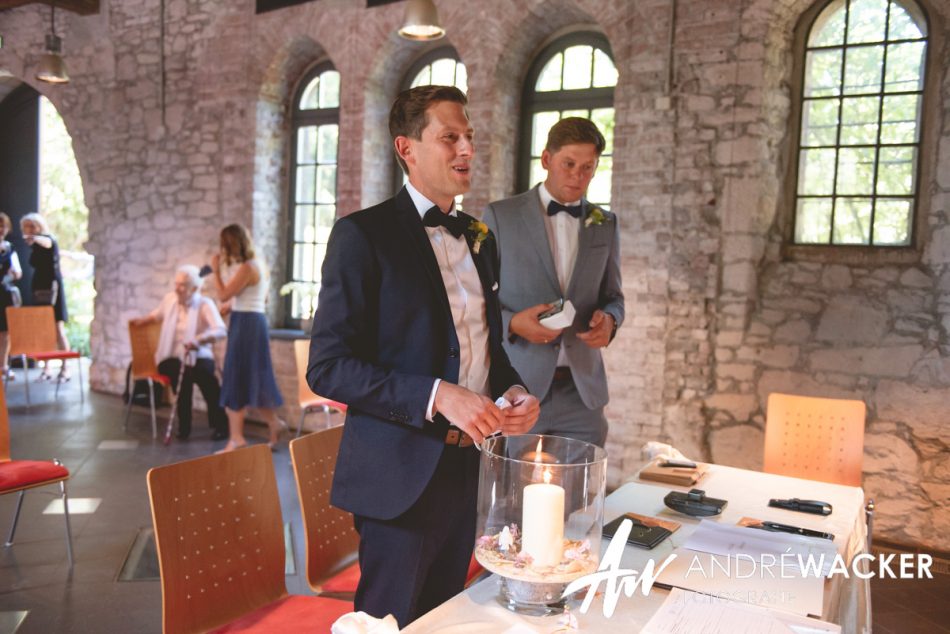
422,22
51,68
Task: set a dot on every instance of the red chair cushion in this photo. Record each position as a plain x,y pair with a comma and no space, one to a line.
318,401
474,571
344,581
55,354
292,614
158,378
20,473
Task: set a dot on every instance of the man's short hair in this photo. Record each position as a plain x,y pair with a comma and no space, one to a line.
571,130
408,117
192,272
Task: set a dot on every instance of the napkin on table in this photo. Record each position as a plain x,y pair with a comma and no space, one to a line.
363,623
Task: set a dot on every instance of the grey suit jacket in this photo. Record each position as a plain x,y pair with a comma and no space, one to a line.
527,277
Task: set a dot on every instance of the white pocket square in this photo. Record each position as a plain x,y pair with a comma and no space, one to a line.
494,286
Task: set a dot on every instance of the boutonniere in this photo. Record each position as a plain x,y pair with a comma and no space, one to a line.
595,216
479,231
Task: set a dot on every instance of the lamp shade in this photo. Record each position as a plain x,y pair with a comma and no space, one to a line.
422,21
51,68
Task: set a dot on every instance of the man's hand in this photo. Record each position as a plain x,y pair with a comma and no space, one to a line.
194,344
473,413
525,324
523,413
601,325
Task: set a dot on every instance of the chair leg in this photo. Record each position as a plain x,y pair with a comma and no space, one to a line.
128,408
82,394
869,516
16,517
56,391
69,532
151,404
26,378
303,415
326,412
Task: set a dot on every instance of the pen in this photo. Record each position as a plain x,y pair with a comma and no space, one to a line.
815,507
795,530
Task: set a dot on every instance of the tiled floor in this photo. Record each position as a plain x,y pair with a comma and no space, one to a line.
34,575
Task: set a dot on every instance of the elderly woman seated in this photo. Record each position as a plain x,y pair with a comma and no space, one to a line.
190,324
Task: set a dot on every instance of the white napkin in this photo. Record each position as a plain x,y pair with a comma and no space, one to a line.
653,450
363,623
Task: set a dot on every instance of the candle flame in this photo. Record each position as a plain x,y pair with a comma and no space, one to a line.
537,451
546,476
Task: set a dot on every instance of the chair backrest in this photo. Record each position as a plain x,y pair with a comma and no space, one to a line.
4,426
332,541
144,341
302,355
32,329
815,438
219,534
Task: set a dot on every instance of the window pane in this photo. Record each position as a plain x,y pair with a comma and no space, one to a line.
852,221
813,221
575,113
605,73
303,224
862,69
902,26
905,65
443,71
325,217
303,262
828,29
823,73
603,118
319,253
537,174
328,141
577,67
550,77
866,21
423,78
306,181
899,124
859,121
892,221
819,122
599,190
330,89
895,172
309,100
855,171
461,77
307,144
816,172
541,123
326,184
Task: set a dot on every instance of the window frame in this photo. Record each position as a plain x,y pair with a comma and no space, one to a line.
302,118
860,254
533,101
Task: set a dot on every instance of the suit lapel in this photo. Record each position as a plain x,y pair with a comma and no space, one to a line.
486,275
416,236
584,237
537,234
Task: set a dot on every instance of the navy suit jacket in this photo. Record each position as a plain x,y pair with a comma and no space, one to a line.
382,333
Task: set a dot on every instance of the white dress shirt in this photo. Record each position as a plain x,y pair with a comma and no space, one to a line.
563,232
466,301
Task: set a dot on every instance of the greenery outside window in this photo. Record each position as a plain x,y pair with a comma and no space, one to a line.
574,76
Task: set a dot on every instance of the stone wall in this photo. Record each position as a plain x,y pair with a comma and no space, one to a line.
720,313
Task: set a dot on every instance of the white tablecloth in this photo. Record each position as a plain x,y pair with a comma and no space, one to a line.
846,601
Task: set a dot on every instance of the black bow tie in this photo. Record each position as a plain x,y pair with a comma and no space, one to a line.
436,218
554,207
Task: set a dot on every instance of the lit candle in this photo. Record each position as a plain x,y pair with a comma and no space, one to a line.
542,522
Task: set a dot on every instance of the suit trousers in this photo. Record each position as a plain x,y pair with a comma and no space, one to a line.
563,413
201,373
417,561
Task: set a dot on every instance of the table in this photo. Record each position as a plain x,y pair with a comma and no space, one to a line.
846,601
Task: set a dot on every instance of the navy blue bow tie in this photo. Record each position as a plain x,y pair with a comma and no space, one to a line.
554,207
436,218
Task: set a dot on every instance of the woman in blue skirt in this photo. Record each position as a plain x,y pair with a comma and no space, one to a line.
248,377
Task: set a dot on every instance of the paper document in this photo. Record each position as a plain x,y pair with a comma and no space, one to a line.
686,612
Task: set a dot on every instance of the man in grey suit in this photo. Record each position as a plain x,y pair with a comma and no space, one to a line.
555,245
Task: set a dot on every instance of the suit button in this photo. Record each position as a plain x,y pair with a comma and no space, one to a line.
453,352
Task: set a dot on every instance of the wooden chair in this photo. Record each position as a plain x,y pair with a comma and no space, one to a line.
815,438
219,535
17,476
33,336
310,402
332,542
144,340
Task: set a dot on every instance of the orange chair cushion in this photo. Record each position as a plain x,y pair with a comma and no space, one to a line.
21,473
292,614
158,378
55,354
347,579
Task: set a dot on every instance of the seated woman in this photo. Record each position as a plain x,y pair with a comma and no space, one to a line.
190,324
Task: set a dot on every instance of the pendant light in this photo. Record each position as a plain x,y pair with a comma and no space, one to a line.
51,68
422,22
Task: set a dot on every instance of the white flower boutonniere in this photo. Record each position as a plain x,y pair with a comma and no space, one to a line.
479,231
595,216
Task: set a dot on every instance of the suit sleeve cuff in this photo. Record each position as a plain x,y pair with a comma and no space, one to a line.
429,407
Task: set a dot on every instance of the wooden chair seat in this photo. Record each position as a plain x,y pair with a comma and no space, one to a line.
57,355
308,401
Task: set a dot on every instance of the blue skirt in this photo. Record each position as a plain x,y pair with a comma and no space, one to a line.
248,378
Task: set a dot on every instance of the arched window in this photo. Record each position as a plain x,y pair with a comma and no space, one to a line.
315,128
572,77
440,67
859,129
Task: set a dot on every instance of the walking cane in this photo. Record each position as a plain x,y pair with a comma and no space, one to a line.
181,376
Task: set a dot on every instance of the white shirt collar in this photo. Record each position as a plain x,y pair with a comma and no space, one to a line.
422,203
546,197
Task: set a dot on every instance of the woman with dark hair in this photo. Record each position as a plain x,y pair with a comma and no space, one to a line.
10,272
47,286
248,378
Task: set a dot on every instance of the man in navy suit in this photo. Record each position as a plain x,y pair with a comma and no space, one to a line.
408,334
